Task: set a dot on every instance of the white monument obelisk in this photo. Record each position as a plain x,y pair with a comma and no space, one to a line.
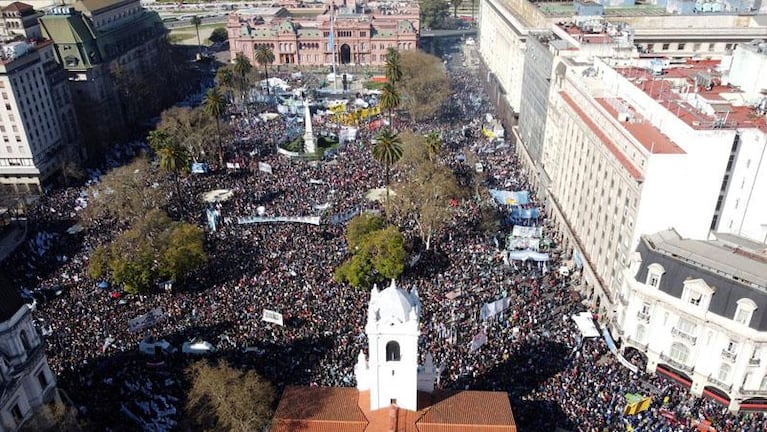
310,145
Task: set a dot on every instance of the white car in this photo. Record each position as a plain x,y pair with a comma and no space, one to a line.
198,347
149,346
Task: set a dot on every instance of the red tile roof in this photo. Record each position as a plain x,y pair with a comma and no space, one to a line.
326,409
648,135
611,146
18,7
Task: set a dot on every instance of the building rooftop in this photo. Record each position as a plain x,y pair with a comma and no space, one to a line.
345,409
18,7
611,146
729,255
643,131
693,91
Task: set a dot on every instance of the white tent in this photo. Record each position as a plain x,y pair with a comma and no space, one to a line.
585,323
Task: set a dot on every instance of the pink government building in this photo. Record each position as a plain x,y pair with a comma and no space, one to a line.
301,35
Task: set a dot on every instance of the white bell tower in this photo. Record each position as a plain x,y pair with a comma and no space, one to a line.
391,372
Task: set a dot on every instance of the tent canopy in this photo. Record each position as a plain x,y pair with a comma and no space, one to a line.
585,324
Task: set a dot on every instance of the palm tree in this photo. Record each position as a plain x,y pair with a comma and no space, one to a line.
196,21
225,80
387,151
242,68
215,106
393,66
433,144
264,56
389,100
173,156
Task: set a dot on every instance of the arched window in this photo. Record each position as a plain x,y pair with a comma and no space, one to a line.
679,352
24,340
724,373
392,351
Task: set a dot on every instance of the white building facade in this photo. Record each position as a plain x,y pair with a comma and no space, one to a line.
37,123
391,372
26,381
698,311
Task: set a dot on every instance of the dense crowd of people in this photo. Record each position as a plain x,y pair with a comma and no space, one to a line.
533,351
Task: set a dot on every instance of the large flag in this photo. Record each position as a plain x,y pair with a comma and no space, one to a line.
145,321
491,309
272,317
477,341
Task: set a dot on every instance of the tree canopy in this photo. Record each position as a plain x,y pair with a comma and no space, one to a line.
378,252
193,129
222,398
433,13
219,34
424,87
154,247
125,193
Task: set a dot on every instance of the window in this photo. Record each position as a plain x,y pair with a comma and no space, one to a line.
16,413
654,273
694,298
42,379
744,311
680,46
711,46
392,351
724,373
24,340
640,334
679,352
686,327
763,384
666,46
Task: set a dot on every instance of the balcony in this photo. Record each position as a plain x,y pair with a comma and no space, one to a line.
676,364
682,335
719,384
751,393
729,356
643,316
754,362
636,344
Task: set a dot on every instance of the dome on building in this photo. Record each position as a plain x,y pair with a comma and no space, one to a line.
395,303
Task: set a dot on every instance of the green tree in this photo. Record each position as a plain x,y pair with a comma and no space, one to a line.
173,157
378,252
424,198
264,56
182,251
154,247
433,144
393,67
222,398
215,106
455,4
387,151
424,87
242,68
433,13
360,227
196,21
125,194
389,100
218,35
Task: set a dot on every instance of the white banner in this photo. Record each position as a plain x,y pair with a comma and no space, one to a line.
491,309
314,220
272,317
526,231
265,167
145,321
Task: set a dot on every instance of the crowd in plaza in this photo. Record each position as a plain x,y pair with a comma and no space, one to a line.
533,350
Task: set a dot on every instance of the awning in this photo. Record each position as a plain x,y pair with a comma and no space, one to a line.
674,375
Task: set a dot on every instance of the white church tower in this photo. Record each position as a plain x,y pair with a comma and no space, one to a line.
391,372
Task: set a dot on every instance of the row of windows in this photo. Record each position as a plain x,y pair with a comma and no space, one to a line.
681,46
694,296
344,33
